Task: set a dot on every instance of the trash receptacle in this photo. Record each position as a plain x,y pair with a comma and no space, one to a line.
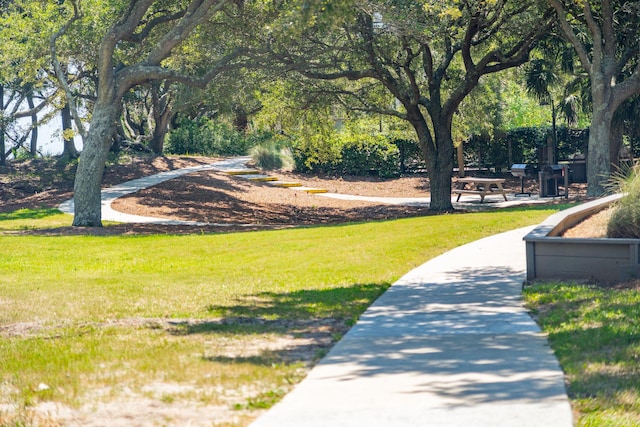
551,178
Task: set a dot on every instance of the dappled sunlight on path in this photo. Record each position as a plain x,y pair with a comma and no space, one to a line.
449,344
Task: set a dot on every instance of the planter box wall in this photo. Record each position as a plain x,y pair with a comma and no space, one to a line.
552,257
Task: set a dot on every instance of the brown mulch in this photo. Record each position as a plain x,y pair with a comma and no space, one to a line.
216,197
230,203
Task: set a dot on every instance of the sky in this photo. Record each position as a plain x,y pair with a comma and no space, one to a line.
50,136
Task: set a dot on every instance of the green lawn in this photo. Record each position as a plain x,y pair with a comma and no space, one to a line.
87,318
595,333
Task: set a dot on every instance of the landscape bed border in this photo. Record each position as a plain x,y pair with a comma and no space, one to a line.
550,256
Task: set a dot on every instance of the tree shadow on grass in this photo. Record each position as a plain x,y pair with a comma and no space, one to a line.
28,214
306,322
340,302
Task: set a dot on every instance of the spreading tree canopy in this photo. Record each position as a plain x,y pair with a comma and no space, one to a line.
416,60
139,46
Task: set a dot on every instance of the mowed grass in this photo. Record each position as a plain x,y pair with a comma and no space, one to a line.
32,219
595,333
87,318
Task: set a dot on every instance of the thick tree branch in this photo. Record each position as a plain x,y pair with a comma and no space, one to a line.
32,111
571,35
61,73
139,74
149,26
196,13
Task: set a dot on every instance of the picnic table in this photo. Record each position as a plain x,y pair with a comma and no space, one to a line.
480,186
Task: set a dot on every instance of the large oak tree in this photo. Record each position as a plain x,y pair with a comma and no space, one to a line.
134,50
605,35
427,55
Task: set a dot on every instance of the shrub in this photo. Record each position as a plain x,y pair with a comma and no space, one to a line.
625,219
209,137
523,145
410,154
317,153
348,154
223,140
272,155
185,139
366,155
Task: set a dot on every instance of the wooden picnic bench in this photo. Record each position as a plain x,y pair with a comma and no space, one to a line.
480,186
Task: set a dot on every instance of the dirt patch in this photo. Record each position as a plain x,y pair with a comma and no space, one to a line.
178,404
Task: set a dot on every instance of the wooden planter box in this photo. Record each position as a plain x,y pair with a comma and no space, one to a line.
552,257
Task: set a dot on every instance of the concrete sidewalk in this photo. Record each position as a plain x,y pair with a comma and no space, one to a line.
449,344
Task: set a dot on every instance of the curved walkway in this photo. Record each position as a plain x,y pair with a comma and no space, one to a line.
449,344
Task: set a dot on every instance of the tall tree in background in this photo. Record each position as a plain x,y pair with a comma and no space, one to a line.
428,55
25,68
606,37
134,50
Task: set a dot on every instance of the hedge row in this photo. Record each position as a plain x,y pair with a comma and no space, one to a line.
523,145
348,155
333,153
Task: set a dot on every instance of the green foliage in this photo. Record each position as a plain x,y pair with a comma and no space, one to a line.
409,152
319,153
366,155
525,143
625,219
272,154
348,154
209,137
595,333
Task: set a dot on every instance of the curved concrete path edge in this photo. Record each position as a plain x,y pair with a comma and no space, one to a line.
449,344
108,195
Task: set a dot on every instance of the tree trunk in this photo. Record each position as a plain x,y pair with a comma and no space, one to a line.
240,119
160,132
460,153
439,156
3,148
162,114
87,186
617,134
599,160
440,169
33,148
69,150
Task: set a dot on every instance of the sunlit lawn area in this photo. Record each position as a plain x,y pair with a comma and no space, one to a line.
89,319
30,219
595,333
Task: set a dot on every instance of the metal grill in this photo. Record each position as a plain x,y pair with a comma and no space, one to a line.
522,170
